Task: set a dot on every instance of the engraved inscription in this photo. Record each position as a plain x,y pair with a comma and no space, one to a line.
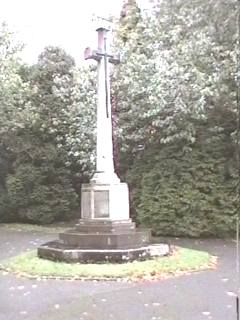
101,204
86,204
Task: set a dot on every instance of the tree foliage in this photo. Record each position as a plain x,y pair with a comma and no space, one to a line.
174,118
12,97
178,63
182,192
51,144
176,96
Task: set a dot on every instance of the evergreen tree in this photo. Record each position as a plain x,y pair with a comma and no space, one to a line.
12,96
176,92
39,186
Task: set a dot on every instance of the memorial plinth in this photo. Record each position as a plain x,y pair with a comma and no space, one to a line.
109,201
105,232
99,240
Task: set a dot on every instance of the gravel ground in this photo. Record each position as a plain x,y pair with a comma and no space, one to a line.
198,296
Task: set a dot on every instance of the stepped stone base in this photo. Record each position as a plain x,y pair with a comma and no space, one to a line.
102,240
57,251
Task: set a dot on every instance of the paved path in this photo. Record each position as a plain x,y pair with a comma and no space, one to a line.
204,295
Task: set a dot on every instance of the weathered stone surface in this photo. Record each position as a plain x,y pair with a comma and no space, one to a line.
101,203
110,200
105,226
99,240
58,251
105,232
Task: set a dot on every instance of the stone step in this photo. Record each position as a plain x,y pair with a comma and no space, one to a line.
96,228
106,222
57,251
106,240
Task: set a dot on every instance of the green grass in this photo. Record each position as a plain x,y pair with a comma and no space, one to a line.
182,261
34,228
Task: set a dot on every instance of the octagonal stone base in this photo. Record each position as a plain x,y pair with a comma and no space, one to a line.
57,251
103,240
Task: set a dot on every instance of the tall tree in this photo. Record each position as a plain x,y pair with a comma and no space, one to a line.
176,100
12,104
177,62
40,187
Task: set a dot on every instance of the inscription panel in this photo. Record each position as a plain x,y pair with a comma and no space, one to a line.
101,204
86,204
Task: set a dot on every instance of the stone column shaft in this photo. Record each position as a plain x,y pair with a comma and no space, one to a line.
104,164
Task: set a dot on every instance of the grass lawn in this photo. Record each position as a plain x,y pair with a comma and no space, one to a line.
36,228
180,262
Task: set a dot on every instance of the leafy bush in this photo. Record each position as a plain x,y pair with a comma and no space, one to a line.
3,206
3,191
40,190
49,145
185,193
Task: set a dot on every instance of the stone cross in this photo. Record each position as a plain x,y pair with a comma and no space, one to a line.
104,166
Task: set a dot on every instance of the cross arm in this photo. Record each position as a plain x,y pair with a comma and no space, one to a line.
91,54
115,59
96,55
